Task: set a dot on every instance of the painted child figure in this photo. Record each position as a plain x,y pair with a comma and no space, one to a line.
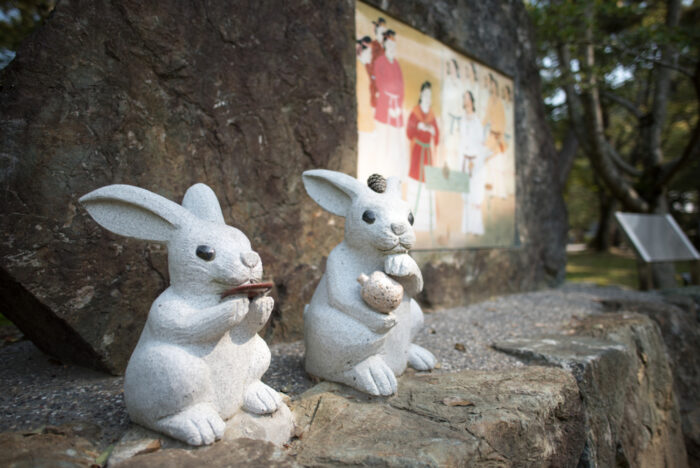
346,339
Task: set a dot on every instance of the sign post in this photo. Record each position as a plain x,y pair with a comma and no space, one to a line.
657,238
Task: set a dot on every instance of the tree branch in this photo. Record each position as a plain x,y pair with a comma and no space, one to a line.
566,155
662,89
573,103
626,103
606,169
691,150
660,62
621,164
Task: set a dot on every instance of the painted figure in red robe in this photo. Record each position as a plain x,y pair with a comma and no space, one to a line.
377,50
423,133
389,82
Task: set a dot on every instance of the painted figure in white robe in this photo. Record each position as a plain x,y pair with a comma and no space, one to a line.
473,154
451,113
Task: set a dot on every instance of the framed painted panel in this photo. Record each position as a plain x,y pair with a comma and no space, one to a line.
443,124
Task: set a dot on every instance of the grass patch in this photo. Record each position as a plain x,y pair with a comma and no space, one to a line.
4,321
617,267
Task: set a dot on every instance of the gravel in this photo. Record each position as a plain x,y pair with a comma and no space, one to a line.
37,390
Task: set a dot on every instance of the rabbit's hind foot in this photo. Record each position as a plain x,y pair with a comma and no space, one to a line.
199,424
372,376
261,399
420,358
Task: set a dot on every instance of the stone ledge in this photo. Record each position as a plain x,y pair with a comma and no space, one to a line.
529,416
226,453
620,364
619,406
138,440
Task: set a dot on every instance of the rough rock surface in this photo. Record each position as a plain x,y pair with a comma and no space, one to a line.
680,328
620,394
243,98
624,377
276,429
227,453
524,417
163,95
52,446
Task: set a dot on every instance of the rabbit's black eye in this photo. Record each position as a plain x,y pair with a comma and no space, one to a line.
369,217
410,219
206,252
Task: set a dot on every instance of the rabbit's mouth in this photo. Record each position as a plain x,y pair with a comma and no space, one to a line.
251,288
397,248
233,283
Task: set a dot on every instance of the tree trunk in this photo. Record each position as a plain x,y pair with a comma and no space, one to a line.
663,274
607,205
566,156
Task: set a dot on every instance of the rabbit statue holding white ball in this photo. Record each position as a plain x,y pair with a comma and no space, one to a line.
199,359
347,340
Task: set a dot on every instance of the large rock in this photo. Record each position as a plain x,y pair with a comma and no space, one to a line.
224,454
276,428
244,98
161,95
624,376
524,417
680,329
65,446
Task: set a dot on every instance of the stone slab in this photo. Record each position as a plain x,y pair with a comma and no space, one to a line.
623,373
276,429
65,446
225,454
523,417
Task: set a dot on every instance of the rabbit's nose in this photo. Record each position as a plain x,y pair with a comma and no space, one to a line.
398,228
250,259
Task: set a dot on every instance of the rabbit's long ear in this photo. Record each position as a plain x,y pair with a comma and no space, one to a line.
334,191
393,186
135,212
201,200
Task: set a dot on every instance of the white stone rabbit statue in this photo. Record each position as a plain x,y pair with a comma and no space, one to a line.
199,359
346,340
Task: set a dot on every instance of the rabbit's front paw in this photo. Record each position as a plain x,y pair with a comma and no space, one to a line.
237,309
197,425
420,358
405,270
261,399
383,323
400,266
373,376
260,309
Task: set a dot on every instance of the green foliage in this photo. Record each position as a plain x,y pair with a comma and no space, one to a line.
608,268
102,458
602,268
628,38
18,18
